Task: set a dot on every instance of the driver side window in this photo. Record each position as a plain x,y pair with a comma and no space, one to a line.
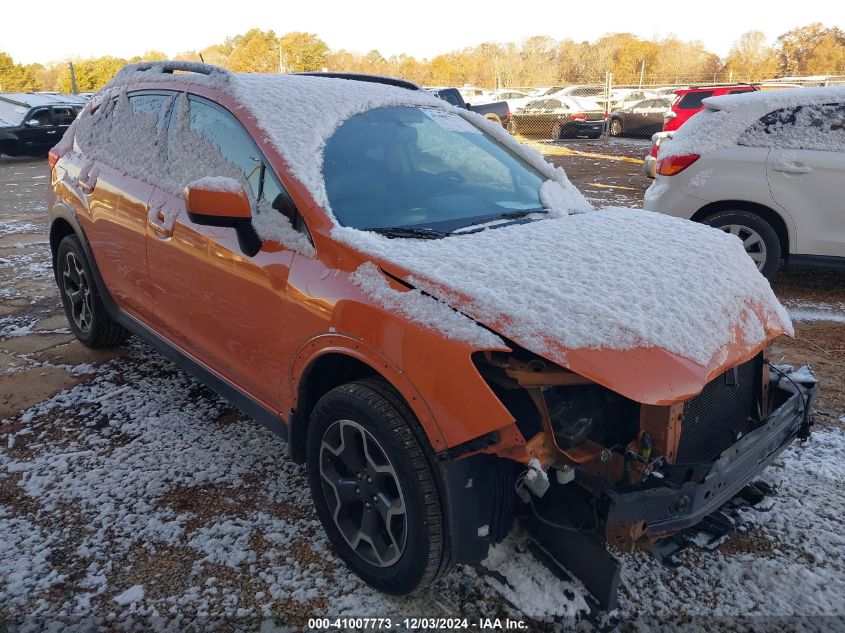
208,141
41,116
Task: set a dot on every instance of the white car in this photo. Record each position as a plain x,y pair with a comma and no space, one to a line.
621,98
768,167
516,99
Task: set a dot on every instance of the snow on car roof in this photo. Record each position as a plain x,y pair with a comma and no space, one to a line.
726,118
298,113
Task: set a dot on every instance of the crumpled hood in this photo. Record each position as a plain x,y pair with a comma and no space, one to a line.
646,304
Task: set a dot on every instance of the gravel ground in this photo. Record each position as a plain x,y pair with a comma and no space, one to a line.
128,491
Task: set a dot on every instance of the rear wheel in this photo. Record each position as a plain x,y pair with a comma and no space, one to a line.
615,127
758,237
374,488
84,310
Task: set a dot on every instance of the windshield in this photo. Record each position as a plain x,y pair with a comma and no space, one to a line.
423,167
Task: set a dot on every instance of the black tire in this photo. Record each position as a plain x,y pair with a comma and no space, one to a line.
374,406
86,315
615,127
766,252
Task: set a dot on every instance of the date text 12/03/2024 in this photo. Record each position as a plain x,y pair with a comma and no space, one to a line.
416,624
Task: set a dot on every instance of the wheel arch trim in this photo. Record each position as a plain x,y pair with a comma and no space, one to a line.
344,345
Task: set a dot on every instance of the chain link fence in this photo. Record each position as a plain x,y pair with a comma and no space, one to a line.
610,110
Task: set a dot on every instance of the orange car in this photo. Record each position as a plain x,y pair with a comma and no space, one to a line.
442,327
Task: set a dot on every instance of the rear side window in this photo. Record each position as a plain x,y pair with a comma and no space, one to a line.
812,127
692,100
739,92
127,132
63,115
152,105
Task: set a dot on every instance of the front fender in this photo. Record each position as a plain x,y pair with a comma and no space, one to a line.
333,343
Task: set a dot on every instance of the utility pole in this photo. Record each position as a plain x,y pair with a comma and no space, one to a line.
73,87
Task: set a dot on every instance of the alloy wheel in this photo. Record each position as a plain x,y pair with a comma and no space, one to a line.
363,493
77,289
751,240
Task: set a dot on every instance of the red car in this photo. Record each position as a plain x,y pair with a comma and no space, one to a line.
687,102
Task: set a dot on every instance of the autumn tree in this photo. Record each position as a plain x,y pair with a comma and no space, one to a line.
255,51
751,58
812,49
302,52
15,77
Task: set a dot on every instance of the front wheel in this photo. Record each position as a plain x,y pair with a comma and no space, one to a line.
374,488
758,237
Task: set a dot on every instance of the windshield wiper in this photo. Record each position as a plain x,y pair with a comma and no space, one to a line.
418,232
510,215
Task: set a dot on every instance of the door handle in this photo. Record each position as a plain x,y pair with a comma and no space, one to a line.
158,221
792,168
51,131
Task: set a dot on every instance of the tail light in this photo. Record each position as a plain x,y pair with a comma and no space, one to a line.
53,158
673,165
579,117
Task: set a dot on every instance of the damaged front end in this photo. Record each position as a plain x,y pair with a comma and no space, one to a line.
605,469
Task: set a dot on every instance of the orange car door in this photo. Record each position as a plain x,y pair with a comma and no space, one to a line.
223,307
115,203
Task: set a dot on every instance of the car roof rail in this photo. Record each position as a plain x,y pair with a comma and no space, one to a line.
376,79
706,86
168,67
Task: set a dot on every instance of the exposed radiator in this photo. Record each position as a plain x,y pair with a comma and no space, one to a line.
720,414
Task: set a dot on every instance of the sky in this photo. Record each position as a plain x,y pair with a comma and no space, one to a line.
91,28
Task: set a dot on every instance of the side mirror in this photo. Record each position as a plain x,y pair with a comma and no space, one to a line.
33,123
220,201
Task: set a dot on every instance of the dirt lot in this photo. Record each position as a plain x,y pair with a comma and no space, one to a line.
128,490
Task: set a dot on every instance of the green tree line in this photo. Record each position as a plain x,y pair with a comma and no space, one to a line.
808,50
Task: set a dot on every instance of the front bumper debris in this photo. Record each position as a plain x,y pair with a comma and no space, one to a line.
665,507
682,496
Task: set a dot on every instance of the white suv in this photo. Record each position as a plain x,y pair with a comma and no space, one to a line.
768,167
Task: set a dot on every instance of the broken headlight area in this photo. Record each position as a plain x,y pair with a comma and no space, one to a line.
599,468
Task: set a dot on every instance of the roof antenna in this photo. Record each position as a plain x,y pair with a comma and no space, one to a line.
201,59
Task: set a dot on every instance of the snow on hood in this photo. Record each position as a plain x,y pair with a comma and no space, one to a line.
617,279
724,120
